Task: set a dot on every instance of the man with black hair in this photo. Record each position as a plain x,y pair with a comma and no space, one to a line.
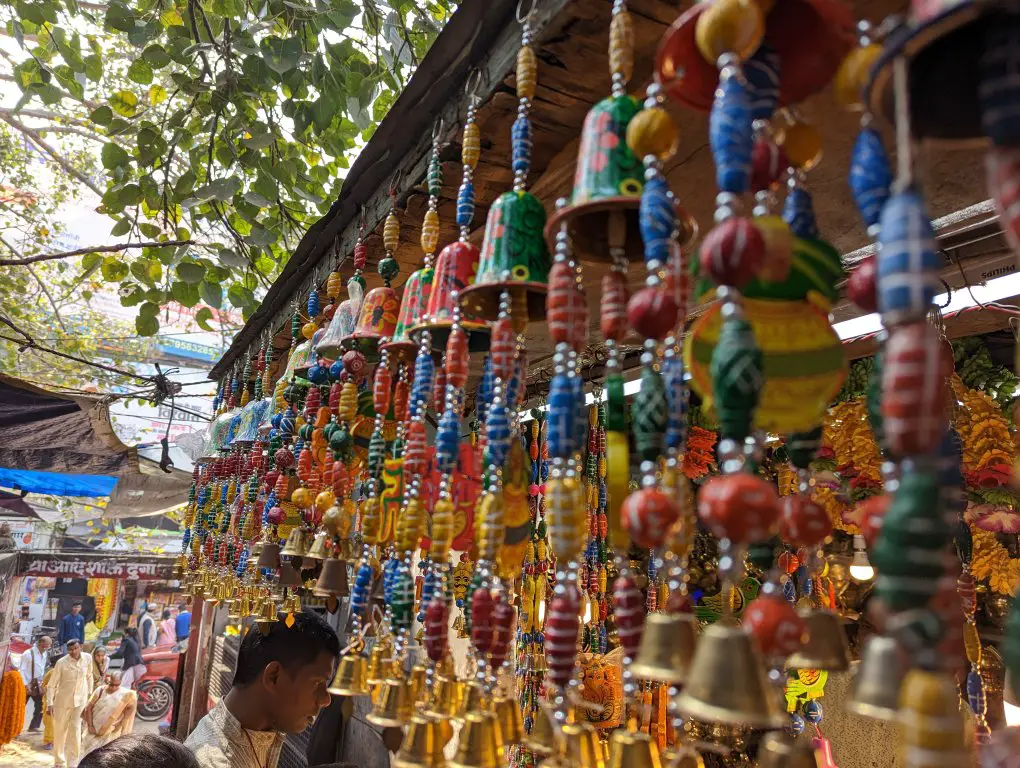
136,750
279,687
72,626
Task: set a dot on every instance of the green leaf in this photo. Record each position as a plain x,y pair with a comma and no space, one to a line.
120,17
30,10
90,260
124,103
157,94
147,325
156,55
149,309
256,199
121,228
239,296
101,115
114,270
190,272
184,293
212,293
140,72
202,317
171,18
114,157
281,55
149,230
94,67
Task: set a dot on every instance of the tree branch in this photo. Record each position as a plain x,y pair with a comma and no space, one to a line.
57,157
94,249
49,297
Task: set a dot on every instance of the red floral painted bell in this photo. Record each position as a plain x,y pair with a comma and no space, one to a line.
455,269
417,291
378,320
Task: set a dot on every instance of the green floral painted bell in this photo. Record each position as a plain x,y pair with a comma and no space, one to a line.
378,320
514,260
413,304
298,356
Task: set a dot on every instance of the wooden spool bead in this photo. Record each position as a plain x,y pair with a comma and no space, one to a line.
457,359
732,252
775,625
436,629
914,373
415,458
629,612
503,347
653,312
391,232
562,627
471,149
360,255
527,72
333,285
430,231
647,515
621,46
740,507
729,26
381,389
481,621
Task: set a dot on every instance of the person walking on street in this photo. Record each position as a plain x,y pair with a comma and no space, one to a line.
33,669
167,634
279,687
99,666
182,624
147,628
133,667
109,714
72,626
47,718
66,696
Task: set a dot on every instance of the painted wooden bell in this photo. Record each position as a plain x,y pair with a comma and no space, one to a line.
378,320
456,267
413,305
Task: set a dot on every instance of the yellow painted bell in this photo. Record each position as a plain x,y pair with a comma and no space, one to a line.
582,744
472,699
270,556
780,750
932,729
632,749
333,579
349,679
422,746
726,683
377,320
476,747
445,701
667,646
317,550
393,707
542,739
876,686
509,720
826,646
296,544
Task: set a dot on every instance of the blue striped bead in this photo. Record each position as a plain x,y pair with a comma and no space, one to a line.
730,134
762,74
497,434
799,213
603,495
952,486
424,376
466,204
447,438
520,137
976,693
657,218
676,397
560,427
362,585
998,86
907,260
390,571
580,413
870,175
313,303
186,539
483,398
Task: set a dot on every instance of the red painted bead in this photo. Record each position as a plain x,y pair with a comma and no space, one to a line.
566,307
436,629
678,280
275,515
647,515
562,626
775,625
740,507
339,479
360,255
334,395
481,620
966,588
629,614
284,458
312,402
789,562
270,479
861,287
381,389
502,348
502,632
439,389
613,306
914,380
401,400
768,164
803,523
733,252
457,359
869,515
415,458
652,312
679,602
355,364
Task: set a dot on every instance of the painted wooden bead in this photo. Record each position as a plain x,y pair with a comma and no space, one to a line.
908,261
430,231
628,610
768,164
647,515
442,530
1003,173
775,625
802,143
853,74
438,395
740,507
502,632
565,517
803,523
481,621
869,515
966,586
471,149
652,131
436,629
415,449
308,330
732,252
447,439
861,287
333,285
520,141
657,218
411,526
762,73
355,364
391,232
914,377
457,358
652,312
381,386
401,396
424,380
360,255
649,415
799,213
870,175
562,627
565,302
527,72
621,45
775,265
613,306
730,131
738,373
729,26
502,348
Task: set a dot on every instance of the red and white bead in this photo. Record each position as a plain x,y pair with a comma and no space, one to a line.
740,507
629,613
732,252
803,522
914,375
647,515
775,625
652,312
562,627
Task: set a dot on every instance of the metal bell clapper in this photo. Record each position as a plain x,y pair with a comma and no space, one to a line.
350,677
393,707
726,682
333,579
876,686
477,747
667,647
780,750
295,545
633,749
826,646
422,746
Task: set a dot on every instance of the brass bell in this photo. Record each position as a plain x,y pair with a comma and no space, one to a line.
826,646
509,720
292,604
374,676
876,686
542,739
471,700
393,707
234,614
256,550
780,750
445,698
295,545
583,746
930,720
667,646
317,550
476,747
270,556
267,615
633,749
422,746
333,579
416,682
289,576
726,682
684,756
349,679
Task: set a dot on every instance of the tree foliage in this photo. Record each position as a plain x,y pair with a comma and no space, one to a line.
227,124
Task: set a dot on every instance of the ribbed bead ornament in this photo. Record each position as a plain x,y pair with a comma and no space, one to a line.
415,446
729,132
434,179
762,74
613,306
497,433
677,397
430,231
490,525
465,203
565,516
870,175
381,388
799,213
447,440
649,415
424,378
360,590
629,612
483,396
457,359
561,434
391,232
908,261
348,407
402,607
438,394
502,632
915,370
737,370
401,398
647,515
371,519
565,302
333,285
562,627
527,72
442,530
472,147
521,141
657,220
481,621
436,629
411,526
621,44
503,348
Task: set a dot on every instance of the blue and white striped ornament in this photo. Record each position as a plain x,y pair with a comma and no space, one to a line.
313,304
870,175
952,486
497,434
360,590
998,85
976,693
390,572
560,426
762,74
657,217
424,378
447,439
520,138
799,213
483,397
466,203
677,397
730,134
907,260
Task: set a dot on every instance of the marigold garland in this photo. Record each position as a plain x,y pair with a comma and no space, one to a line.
983,429
700,456
991,561
12,706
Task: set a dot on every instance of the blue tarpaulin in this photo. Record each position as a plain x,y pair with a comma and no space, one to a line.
57,483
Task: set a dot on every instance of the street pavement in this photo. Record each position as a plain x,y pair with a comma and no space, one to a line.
27,751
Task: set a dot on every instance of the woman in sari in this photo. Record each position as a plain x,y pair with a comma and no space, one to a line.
110,713
167,632
99,666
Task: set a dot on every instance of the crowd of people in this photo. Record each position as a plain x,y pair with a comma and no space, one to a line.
279,687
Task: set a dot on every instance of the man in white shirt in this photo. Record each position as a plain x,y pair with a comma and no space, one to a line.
66,696
33,667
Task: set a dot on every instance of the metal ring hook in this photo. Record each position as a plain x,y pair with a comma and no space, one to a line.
395,183
473,83
437,130
521,16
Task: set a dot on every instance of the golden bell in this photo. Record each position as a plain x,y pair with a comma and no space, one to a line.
930,720
542,739
416,682
667,646
292,603
476,747
684,756
270,556
267,615
234,614
333,579
289,576
509,719
583,746
445,698
632,749
256,550
374,676
349,679
471,700
780,750
826,646
393,707
295,545
726,682
876,686
422,746
317,550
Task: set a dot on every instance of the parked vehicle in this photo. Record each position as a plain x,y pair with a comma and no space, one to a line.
156,687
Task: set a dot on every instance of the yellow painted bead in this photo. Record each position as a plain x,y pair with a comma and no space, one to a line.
347,408
621,45
308,330
333,285
370,520
853,75
302,498
729,26
430,231
972,643
653,132
245,397
527,73
802,143
778,248
411,526
324,500
617,477
391,232
442,530
472,148
491,526
566,518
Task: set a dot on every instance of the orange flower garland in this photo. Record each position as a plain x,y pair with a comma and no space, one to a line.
700,455
12,706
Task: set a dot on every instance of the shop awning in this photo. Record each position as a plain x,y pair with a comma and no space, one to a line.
57,483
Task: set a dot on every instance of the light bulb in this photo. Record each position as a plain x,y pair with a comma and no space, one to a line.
860,566
541,613
587,611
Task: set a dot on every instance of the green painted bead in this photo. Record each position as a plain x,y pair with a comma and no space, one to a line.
737,370
649,414
802,447
435,177
616,402
388,268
